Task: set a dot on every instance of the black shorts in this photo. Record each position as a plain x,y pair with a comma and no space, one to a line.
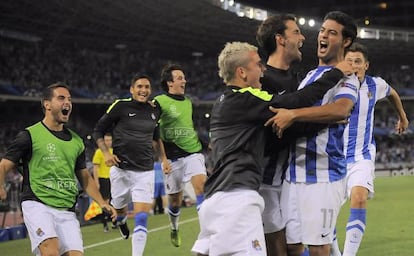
105,188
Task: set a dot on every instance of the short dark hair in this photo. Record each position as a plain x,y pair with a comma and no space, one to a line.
358,47
48,92
166,74
138,76
350,27
275,24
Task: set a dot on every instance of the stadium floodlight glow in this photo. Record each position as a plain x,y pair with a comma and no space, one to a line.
311,22
207,115
231,2
302,21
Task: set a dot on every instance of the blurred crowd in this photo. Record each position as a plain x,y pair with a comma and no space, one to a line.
25,68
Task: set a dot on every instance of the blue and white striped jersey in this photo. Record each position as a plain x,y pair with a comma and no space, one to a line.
321,158
359,135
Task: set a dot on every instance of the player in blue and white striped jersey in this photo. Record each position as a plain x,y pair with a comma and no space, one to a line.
314,187
360,145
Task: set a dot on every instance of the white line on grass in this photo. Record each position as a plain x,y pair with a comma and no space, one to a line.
149,231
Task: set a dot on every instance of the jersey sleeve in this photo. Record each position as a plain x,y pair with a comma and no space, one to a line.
107,121
80,161
21,147
347,88
311,94
383,88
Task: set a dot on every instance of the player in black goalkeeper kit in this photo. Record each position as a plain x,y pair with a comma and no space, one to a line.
230,217
134,122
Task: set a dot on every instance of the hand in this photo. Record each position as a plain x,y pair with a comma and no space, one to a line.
108,208
345,67
111,160
281,121
166,166
401,126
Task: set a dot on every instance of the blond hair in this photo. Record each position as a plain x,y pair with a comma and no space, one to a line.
234,55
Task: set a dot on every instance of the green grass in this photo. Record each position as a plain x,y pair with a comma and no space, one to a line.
390,228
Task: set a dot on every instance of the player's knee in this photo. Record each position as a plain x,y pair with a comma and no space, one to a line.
359,200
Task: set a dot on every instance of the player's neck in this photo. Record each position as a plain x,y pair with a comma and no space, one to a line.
52,124
278,61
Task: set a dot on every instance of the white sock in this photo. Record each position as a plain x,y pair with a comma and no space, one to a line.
355,229
139,239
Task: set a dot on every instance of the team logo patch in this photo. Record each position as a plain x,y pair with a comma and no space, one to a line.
153,116
256,245
369,95
39,232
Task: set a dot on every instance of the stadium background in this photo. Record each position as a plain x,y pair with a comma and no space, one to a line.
95,46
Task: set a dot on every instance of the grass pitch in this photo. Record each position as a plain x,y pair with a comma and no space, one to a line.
389,232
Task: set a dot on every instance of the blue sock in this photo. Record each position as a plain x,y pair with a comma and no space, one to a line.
200,199
305,252
141,221
121,219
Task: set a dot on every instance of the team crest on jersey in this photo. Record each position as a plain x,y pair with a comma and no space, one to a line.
153,116
39,232
369,95
256,245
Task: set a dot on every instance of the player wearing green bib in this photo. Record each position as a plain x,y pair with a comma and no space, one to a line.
53,158
182,145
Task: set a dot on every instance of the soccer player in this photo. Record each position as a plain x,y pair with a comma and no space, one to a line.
101,177
230,217
313,190
182,145
360,144
134,123
53,157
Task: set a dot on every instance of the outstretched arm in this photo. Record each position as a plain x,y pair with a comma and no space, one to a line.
329,113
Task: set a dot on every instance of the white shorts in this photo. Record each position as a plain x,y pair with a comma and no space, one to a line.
272,214
127,186
44,222
310,211
182,170
231,224
361,173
